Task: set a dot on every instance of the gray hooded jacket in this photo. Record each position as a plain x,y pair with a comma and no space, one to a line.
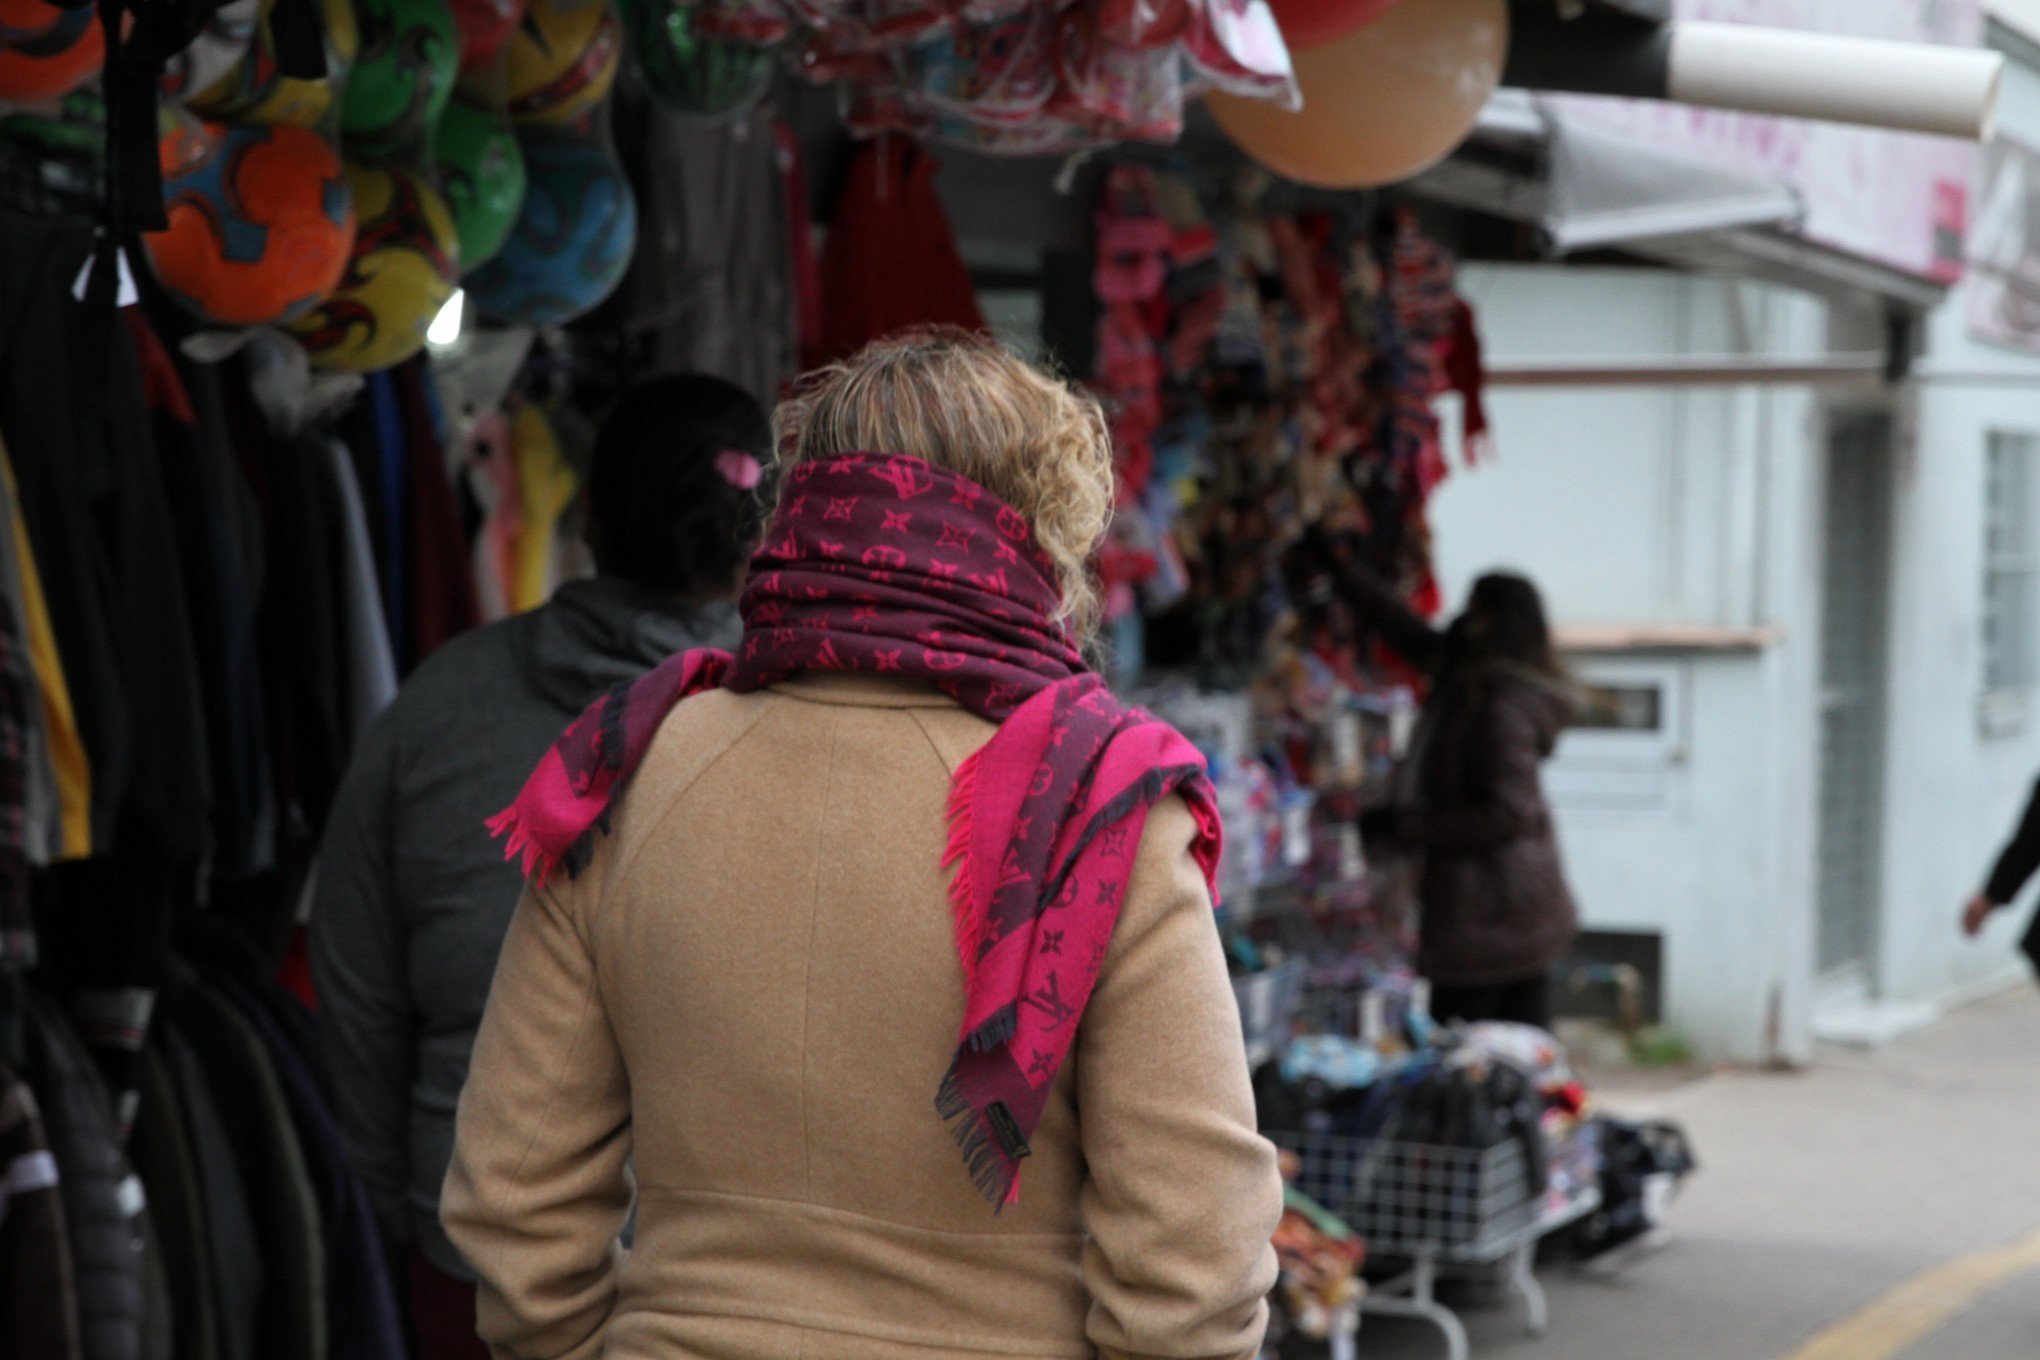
413,897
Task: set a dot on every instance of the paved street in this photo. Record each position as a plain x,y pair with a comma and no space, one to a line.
1878,1206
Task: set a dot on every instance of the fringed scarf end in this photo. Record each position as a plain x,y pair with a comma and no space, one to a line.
520,845
994,1172
970,921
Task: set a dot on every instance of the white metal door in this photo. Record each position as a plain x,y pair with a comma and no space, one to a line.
1854,603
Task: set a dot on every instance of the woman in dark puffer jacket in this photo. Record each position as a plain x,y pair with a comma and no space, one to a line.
1497,914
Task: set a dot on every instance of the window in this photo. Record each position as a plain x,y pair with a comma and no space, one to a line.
1622,708
1625,752
2011,578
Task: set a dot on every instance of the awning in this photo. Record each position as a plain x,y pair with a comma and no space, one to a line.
1530,161
1605,190
1584,188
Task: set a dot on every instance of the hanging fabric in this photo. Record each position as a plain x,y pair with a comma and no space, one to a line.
711,288
371,664
891,262
41,1319
442,577
546,486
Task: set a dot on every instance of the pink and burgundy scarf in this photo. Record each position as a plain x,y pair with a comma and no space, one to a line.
892,566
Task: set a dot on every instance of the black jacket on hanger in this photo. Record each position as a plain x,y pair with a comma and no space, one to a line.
107,1228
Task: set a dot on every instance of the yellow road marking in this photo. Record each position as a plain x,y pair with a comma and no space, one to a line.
1921,1306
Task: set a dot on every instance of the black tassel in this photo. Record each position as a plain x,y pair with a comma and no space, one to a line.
996,1031
991,1170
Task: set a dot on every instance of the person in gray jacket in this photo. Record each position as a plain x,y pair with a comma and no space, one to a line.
413,897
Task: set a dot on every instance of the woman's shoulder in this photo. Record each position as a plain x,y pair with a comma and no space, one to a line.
699,731
1166,877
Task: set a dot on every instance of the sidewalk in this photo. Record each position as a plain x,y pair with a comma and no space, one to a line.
1820,1191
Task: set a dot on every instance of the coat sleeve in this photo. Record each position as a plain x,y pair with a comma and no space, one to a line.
540,1186
2020,857
1512,805
367,1025
1183,1195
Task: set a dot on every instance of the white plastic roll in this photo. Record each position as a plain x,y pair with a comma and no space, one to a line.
1915,87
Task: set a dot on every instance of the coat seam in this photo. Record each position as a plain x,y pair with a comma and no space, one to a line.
807,965
933,745
805,1208
584,924
820,1325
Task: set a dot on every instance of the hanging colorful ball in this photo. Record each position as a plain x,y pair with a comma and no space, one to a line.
410,55
481,172
22,18
261,222
46,51
1383,102
403,269
572,241
563,59
24,21
220,47
687,70
257,91
485,25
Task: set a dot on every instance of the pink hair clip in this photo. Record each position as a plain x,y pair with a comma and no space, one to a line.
739,469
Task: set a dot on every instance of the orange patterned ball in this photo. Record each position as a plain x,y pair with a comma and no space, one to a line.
46,51
261,222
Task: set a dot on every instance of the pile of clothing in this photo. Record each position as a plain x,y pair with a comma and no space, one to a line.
1319,1290
227,1222
1442,1140
210,584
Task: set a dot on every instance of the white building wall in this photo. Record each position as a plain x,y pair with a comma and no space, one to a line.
1953,790
1684,507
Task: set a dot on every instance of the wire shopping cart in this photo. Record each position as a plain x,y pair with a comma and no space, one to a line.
1440,1208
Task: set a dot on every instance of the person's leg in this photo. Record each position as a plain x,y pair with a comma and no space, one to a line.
443,1314
1468,1004
1527,1002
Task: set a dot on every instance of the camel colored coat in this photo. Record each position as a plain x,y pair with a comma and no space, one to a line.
751,995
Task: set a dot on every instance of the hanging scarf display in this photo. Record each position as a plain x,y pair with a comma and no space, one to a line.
1020,77
1268,374
891,566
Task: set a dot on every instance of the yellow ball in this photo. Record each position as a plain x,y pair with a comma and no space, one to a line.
563,59
256,91
405,266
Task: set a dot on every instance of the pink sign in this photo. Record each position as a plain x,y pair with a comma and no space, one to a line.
1897,198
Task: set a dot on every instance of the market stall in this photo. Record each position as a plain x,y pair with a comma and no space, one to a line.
310,307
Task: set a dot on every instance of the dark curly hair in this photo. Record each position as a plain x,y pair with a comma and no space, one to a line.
660,513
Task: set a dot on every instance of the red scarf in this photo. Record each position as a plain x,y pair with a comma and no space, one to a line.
892,566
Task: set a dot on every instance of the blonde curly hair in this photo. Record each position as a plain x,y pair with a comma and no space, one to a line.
967,403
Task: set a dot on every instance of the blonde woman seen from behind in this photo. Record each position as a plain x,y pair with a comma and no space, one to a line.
882,949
